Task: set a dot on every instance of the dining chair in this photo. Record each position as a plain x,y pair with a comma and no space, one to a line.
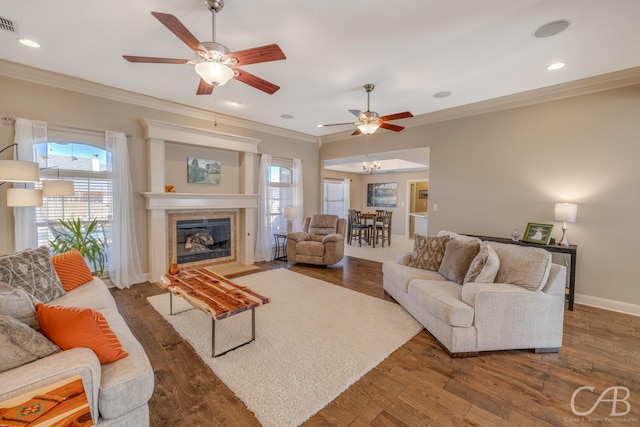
383,229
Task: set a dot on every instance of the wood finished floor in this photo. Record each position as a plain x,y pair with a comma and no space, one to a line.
418,385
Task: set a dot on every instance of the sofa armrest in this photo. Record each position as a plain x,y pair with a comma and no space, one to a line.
58,366
333,238
298,236
403,258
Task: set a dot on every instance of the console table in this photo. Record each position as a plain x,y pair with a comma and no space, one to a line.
571,250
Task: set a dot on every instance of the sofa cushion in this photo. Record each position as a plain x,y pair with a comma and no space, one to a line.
71,327
484,267
32,271
310,248
321,225
21,344
523,266
457,257
401,275
94,294
71,269
18,304
443,300
428,251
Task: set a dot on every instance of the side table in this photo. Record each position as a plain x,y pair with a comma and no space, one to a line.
281,246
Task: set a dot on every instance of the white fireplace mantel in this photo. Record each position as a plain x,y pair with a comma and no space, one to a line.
171,201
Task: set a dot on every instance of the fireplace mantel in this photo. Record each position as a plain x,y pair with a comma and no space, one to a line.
170,201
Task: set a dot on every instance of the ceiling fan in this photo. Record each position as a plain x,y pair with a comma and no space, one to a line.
215,64
369,121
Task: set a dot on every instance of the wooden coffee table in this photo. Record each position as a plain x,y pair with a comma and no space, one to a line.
214,294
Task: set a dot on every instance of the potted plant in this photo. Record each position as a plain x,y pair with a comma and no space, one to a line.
74,234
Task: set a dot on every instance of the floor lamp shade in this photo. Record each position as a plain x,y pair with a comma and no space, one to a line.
20,197
19,171
57,188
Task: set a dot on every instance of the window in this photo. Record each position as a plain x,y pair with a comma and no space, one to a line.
280,193
87,166
334,195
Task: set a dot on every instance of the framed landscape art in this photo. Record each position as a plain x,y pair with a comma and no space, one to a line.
202,171
384,195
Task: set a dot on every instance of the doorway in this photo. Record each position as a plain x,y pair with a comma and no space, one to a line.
417,207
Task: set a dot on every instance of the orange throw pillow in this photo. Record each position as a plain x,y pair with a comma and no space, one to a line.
72,269
71,327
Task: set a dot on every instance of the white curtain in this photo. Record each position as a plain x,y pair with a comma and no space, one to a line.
124,260
27,134
298,200
263,237
346,199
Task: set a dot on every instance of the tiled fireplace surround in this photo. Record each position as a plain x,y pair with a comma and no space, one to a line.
164,208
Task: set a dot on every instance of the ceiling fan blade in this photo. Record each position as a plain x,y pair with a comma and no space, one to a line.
176,27
204,88
255,81
271,52
339,124
154,60
356,113
397,116
389,126
356,132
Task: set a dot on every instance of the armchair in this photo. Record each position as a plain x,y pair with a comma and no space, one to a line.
321,242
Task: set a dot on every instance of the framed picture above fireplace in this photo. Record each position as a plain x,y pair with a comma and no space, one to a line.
203,171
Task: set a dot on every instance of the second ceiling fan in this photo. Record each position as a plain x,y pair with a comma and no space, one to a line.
369,121
215,64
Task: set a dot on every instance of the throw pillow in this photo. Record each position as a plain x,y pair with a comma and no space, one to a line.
18,304
457,258
464,238
523,266
72,269
428,251
71,327
32,271
485,265
21,344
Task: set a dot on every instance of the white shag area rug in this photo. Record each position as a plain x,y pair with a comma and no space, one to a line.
313,340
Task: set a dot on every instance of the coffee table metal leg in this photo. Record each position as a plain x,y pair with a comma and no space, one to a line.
213,335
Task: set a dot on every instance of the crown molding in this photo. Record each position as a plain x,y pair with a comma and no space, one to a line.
618,79
62,81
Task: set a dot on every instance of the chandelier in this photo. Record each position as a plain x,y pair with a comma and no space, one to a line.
371,167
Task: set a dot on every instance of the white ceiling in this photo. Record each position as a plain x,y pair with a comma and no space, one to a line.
410,49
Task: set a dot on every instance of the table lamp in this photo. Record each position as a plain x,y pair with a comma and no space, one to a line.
565,212
290,214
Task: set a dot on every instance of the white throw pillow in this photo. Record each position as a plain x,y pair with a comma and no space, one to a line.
485,265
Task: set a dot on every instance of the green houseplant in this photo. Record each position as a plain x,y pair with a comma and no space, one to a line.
72,233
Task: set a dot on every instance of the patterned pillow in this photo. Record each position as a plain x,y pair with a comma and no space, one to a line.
428,251
32,271
21,344
72,269
485,265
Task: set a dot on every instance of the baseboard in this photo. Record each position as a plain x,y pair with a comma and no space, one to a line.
608,304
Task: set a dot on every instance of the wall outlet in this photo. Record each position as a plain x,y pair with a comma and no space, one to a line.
435,207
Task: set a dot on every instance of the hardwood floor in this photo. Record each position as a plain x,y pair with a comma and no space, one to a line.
418,385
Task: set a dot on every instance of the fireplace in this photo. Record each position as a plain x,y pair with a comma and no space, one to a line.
202,239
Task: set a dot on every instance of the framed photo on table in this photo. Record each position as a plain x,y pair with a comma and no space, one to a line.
537,233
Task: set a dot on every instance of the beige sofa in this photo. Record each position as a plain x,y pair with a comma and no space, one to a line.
518,305
117,392
321,242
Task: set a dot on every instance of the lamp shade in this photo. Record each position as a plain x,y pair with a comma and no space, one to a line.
57,188
19,171
566,212
290,213
214,73
368,128
24,197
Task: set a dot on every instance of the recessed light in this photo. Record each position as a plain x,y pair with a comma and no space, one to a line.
287,116
442,94
28,42
551,29
556,66
234,103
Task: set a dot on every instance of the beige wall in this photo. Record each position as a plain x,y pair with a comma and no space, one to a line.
495,172
40,102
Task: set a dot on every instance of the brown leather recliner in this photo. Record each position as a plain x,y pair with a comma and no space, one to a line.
321,242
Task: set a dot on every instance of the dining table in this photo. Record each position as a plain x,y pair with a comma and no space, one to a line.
366,217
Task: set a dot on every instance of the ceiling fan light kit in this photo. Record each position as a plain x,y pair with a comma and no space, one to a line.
214,73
